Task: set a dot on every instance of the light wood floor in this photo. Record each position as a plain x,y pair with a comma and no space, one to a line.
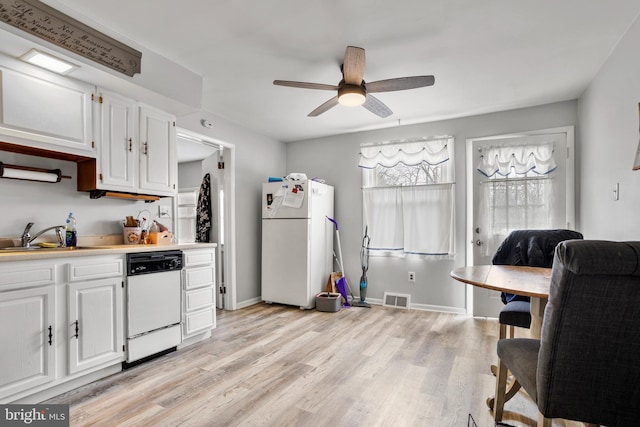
273,365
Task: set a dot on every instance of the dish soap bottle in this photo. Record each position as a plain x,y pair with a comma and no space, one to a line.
71,235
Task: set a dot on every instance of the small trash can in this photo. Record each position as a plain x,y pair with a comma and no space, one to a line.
328,301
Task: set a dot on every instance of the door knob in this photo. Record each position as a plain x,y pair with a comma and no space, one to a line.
478,242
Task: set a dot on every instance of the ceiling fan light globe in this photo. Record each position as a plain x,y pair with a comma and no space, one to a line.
351,96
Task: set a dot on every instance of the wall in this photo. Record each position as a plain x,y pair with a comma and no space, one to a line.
608,112
48,204
189,175
335,159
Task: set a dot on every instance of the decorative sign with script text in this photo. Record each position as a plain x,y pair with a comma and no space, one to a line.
51,25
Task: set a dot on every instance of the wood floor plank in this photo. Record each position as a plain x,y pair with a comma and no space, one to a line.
274,365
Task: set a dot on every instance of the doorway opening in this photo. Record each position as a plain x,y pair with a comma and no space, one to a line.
515,181
199,155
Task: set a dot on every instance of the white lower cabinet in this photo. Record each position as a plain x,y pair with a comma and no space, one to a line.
61,324
95,333
198,294
28,336
95,323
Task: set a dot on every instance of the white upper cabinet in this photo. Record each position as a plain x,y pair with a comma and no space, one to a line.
48,112
157,151
136,149
117,148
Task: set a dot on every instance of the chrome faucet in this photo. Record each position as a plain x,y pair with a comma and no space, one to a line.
26,239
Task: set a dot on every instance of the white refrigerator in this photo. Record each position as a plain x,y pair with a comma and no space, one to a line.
297,241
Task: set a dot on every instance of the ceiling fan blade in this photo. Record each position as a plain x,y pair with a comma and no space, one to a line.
305,85
324,107
401,83
377,107
353,65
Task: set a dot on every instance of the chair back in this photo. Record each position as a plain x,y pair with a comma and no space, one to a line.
533,248
589,359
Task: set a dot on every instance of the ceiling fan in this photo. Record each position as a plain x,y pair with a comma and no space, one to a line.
353,90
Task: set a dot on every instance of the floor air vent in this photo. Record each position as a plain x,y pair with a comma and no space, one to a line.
397,300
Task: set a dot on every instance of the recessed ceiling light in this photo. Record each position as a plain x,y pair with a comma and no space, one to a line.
48,62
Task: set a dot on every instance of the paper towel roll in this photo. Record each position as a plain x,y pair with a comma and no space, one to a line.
29,175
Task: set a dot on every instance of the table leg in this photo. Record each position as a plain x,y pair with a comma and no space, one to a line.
537,314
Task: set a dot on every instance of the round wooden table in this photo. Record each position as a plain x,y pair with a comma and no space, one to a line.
533,282
526,281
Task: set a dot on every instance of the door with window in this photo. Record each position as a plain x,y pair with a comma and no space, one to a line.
522,181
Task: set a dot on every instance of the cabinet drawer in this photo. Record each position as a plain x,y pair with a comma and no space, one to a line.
95,268
198,299
198,277
199,257
26,274
196,322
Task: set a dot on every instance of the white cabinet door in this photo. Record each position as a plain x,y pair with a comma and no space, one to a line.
27,334
117,143
52,113
157,152
95,315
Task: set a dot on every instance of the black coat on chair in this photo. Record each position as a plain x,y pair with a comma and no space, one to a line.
533,248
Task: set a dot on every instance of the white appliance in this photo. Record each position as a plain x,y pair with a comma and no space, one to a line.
153,303
297,241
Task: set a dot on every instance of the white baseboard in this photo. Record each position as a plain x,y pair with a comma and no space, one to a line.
440,308
249,302
378,301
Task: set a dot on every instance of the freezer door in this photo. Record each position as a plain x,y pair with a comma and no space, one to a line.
285,262
287,199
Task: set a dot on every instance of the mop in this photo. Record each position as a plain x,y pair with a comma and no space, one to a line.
364,263
342,283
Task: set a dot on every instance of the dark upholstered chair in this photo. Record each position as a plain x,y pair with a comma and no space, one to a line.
586,366
533,248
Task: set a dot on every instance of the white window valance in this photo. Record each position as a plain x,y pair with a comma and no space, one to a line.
518,159
410,153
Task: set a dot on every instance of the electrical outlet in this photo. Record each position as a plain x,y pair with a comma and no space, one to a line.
163,212
412,276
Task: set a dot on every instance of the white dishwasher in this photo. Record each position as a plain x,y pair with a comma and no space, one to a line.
153,304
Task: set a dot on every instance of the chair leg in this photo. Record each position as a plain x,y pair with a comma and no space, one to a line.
503,330
501,386
542,421
503,335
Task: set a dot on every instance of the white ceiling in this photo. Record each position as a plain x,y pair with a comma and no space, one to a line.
486,56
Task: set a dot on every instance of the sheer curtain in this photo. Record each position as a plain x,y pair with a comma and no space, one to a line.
408,196
518,191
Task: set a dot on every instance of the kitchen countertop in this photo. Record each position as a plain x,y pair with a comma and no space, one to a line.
38,254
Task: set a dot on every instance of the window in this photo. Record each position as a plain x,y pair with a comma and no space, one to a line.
408,196
517,192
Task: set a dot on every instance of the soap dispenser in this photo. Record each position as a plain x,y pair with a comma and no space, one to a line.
71,235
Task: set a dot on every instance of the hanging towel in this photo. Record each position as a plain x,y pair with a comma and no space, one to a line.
203,213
